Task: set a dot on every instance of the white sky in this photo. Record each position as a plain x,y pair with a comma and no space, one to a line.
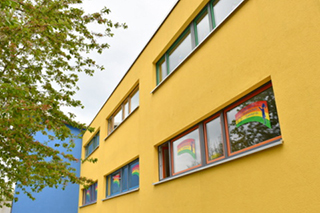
143,17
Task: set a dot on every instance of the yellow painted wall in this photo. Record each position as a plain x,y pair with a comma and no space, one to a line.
275,40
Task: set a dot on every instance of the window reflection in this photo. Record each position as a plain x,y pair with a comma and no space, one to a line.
214,139
186,152
253,121
203,27
223,8
135,101
180,51
117,119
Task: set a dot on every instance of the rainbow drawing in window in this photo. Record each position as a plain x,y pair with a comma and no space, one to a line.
135,170
116,179
257,111
187,146
88,195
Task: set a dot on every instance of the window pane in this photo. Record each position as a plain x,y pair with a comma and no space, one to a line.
214,139
162,69
88,195
203,27
126,109
90,147
125,179
135,101
164,165
134,175
223,8
115,183
95,191
180,51
253,121
117,119
186,152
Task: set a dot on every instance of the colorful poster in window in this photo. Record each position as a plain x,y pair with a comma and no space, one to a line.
257,111
116,179
187,146
135,170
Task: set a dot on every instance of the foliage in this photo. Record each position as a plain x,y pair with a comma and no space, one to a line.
43,47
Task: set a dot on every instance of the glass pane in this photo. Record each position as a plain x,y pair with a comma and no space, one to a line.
95,192
135,101
253,121
186,152
162,69
125,179
223,8
134,175
90,148
88,195
117,119
203,27
115,183
164,166
126,109
180,51
214,139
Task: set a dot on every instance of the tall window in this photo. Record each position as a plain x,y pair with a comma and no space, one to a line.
248,124
92,145
127,107
90,195
208,19
124,179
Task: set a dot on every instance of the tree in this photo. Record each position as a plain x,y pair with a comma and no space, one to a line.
43,47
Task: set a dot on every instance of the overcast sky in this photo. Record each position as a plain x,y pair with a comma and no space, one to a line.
143,18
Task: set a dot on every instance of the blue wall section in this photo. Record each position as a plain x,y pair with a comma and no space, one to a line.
52,200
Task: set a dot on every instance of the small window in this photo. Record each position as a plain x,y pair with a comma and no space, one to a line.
180,50
202,26
123,180
214,139
134,101
126,108
92,145
164,161
223,8
161,70
90,194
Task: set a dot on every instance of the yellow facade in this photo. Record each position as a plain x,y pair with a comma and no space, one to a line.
261,41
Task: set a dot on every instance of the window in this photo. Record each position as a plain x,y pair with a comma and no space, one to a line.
246,125
126,108
213,14
92,145
123,180
180,50
90,195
